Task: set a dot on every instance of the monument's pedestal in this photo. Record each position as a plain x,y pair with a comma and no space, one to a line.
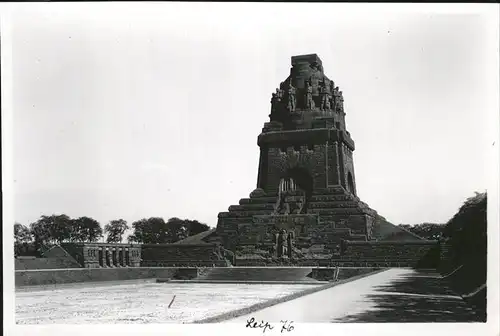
250,229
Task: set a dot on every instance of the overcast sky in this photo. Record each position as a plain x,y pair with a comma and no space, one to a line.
141,110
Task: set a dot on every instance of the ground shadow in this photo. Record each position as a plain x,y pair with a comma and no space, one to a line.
419,297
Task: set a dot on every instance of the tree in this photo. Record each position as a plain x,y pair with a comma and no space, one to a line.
22,239
179,229
465,236
115,230
86,229
56,229
52,229
195,227
466,232
155,231
149,231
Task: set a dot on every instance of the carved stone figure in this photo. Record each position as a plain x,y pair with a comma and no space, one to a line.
279,94
290,244
325,99
274,103
279,203
282,240
336,97
300,205
280,243
309,96
291,97
332,96
340,103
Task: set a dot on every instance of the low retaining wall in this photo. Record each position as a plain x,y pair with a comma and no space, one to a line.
347,262
183,263
418,253
154,255
327,274
33,263
78,275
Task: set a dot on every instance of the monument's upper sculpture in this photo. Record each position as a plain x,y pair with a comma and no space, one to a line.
307,98
306,141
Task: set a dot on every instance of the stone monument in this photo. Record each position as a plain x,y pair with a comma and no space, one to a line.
305,205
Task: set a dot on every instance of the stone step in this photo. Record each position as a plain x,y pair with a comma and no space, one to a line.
327,216
258,200
314,198
312,205
342,211
320,211
252,207
333,205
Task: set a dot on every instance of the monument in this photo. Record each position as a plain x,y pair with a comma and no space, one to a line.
305,206
305,210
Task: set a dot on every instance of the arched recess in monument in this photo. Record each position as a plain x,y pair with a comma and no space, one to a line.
302,178
350,184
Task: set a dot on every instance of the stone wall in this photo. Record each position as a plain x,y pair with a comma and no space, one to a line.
410,251
78,275
327,274
159,255
376,263
95,255
34,263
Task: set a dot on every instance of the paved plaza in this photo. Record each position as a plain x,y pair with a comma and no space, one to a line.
396,295
141,302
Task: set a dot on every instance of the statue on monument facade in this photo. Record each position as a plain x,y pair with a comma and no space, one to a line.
281,207
309,96
340,104
332,97
276,100
300,205
274,103
325,96
336,95
289,240
279,94
281,243
291,97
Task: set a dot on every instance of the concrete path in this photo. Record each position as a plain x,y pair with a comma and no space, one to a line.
395,295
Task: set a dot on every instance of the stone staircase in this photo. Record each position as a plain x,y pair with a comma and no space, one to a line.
341,216
260,274
323,201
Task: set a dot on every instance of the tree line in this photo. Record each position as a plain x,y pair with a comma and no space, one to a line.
56,229
466,233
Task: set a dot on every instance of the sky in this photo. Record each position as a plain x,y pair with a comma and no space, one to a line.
153,110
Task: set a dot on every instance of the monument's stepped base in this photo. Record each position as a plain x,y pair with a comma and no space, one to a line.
333,215
242,274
